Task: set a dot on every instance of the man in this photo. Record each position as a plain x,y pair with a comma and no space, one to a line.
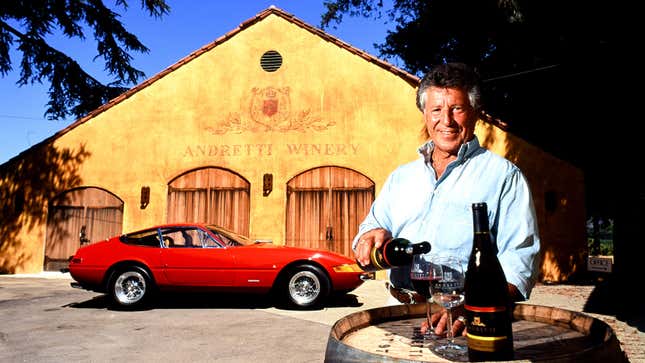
430,198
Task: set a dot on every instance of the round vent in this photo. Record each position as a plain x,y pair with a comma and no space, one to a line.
271,61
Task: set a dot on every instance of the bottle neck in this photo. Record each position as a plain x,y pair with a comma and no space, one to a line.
481,230
418,248
480,220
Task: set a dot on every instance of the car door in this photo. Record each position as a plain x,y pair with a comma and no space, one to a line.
192,258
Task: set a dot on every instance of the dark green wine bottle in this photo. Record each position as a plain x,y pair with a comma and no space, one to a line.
488,304
395,252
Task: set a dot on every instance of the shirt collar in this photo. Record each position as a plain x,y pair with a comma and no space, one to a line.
465,150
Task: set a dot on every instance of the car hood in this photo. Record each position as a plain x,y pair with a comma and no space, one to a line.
298,250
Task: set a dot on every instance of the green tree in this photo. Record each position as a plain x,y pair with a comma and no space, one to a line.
26,24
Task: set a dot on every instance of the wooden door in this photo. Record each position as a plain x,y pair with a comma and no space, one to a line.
80,216
325,205
210,195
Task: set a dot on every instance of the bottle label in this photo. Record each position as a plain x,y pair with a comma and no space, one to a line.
488,328
486,344
376,258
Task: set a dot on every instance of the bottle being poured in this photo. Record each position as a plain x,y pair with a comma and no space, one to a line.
394,252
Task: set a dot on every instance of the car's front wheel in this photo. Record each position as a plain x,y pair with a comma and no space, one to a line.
130,287
306,286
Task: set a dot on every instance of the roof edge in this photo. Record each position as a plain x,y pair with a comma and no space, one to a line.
408,77
272,10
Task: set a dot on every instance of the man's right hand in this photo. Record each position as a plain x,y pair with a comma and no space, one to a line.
373,238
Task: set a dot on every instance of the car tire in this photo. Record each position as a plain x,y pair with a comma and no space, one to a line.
130,287
305,287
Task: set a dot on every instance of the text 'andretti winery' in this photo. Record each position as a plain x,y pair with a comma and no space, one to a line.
234,150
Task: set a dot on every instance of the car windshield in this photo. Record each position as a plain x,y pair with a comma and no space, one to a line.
228,238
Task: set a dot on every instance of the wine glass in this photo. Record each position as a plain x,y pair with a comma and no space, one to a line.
420,276
447,290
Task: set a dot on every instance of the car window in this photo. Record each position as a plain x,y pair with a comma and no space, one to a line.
148,238
181,237
208,241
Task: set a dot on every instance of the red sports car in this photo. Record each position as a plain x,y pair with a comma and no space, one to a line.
132,267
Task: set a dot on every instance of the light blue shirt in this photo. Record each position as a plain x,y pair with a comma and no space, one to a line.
415,205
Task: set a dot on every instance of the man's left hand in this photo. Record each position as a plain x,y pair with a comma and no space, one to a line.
440,321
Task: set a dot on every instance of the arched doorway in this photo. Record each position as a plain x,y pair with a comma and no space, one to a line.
325,205
210,195
80,216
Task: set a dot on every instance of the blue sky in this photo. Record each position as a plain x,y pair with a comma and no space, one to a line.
190,25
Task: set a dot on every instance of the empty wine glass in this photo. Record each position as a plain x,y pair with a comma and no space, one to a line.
420,276
447,290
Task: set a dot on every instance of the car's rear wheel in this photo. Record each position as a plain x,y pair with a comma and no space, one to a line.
306,286
130,287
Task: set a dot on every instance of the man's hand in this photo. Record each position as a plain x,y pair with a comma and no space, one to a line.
439,321
369,239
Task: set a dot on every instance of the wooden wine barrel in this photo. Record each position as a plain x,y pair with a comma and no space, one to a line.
540,334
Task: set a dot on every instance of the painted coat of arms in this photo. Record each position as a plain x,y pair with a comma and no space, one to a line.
269,109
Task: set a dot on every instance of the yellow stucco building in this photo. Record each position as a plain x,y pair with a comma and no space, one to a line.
276,130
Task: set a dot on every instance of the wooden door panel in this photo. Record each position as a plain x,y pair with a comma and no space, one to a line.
210,195
325,206
85,214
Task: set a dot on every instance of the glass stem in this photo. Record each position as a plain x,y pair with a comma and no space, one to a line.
449,327
428,320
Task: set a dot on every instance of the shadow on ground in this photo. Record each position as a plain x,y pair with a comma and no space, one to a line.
192,300
605,300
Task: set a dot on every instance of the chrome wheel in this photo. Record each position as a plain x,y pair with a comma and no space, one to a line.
130,287
304,288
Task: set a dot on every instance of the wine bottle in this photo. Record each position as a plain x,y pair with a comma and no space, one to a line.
488,304
395,252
